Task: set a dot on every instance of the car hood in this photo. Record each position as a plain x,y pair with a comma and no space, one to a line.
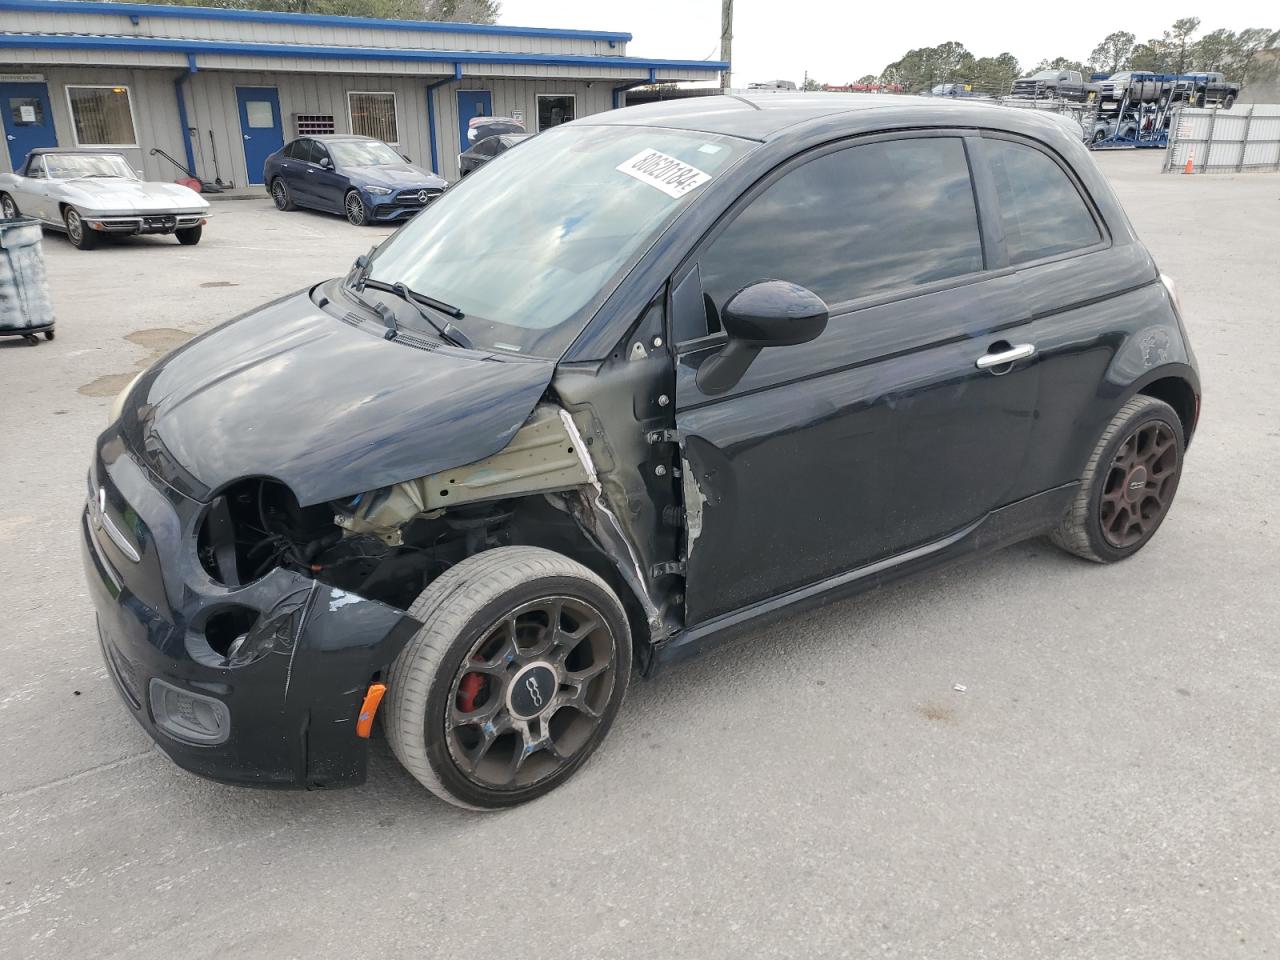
112,194
291,392
400,176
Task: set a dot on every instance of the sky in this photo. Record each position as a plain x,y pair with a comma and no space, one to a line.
838,41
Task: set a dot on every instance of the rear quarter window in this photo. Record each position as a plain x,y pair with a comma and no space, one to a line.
1042,212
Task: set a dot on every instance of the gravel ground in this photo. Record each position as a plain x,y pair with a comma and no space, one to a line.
1105,787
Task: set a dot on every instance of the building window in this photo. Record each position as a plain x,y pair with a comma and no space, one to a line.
102,116
374,115
554,109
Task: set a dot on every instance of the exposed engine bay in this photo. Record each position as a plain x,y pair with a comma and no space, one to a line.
388,544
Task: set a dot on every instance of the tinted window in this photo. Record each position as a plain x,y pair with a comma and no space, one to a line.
297,150
317,151
868,219
1043,213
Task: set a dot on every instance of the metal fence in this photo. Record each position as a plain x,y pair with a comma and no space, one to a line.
1225,141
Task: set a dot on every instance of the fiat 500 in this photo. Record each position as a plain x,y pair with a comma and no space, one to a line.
668,374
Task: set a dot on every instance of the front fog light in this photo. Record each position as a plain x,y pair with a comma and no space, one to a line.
189,717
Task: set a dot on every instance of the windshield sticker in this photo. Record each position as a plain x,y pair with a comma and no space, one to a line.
673,177
710,148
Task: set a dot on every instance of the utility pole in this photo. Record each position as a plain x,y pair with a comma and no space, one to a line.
726,41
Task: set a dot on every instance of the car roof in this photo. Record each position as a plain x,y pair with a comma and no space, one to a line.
334,137
767,116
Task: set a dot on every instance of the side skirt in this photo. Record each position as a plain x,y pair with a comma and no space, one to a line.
1022,520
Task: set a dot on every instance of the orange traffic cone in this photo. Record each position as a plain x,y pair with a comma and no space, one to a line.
1191,163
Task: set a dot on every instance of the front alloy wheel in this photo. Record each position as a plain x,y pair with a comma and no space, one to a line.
513,680
78,232
8,209
355,209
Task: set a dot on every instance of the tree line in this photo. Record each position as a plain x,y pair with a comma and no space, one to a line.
1176,50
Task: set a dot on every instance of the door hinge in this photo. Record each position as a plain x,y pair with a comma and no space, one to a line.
663,436
667,568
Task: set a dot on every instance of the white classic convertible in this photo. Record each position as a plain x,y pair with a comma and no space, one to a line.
88,194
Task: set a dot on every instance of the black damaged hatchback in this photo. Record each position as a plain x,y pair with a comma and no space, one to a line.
652,379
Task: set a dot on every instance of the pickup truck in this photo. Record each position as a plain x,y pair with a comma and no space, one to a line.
1062,84
1195,88
1199,89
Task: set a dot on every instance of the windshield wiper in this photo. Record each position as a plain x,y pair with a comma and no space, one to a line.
421,301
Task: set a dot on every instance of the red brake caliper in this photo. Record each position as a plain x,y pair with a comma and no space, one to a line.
469,689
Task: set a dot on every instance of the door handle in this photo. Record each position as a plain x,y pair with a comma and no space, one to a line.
246,136
1019,351
10,136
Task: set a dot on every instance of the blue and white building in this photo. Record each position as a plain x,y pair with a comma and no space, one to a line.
221,89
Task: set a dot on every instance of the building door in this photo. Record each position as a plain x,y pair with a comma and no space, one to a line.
260,127
471,103
28,121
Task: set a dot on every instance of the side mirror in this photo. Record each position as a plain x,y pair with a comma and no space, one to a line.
326,163
771,313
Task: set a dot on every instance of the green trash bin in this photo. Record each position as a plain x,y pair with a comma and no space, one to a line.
25,310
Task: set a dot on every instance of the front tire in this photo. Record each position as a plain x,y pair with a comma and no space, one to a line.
190,236
78,232
1229,101
8,209
355,209
1128,484
513,680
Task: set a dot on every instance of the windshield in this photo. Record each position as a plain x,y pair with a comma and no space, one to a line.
362,153
66,166
1119,77
1044,75
528,246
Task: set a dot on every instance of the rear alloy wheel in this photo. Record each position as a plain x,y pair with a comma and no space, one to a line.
513,680
355,209
78,232
280,194
1128,484
8,209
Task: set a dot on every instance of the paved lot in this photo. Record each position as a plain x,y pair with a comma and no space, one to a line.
1106,787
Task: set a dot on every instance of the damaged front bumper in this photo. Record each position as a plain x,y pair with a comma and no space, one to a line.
259,684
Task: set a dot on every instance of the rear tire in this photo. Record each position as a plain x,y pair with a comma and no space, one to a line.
280,195
493,625
78,232
1128,484
190,236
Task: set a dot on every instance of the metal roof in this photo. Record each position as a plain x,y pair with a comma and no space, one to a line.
136,10
328,51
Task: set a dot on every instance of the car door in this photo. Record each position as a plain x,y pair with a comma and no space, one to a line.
30,187
293,168
1078,287
883,435
328,184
